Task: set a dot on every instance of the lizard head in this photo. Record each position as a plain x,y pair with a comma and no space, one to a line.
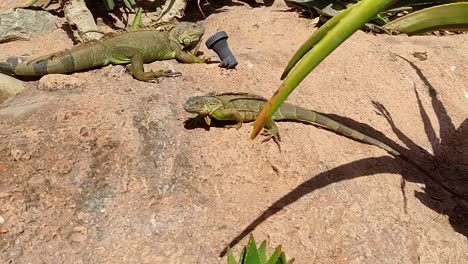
202,105
187,34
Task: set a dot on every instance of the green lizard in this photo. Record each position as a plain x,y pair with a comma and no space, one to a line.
180,42
242,107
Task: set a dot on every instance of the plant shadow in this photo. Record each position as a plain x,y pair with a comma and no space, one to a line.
444,173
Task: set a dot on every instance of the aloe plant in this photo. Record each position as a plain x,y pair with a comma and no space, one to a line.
317,48
335,31
252,255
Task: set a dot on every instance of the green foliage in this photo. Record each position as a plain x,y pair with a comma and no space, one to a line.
448,16
252,255
317,48
330,8
110,5
137,20
33,2
328,37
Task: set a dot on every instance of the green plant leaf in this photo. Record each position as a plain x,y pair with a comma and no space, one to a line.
360,14
251,256
109,4
262,253
230,257
130,4
312,40
136,23
242,255
31,2
448,16
275,256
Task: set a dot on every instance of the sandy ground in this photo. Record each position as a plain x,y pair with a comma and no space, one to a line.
102,170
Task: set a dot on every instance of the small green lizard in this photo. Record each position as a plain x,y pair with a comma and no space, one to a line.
180,42
241,107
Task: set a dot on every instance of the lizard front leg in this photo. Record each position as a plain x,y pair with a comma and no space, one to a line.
137,68
229,115
188,57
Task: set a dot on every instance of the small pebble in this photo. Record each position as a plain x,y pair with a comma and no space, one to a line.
3,230
78,238
2,220
16,153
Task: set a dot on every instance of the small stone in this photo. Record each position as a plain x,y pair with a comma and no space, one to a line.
5,191
81,229
16,153
2,220
3,230
26,156
78,237
79,234
66,168
84,132
3,167
54,82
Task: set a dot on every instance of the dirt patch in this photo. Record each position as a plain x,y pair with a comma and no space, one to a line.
104,170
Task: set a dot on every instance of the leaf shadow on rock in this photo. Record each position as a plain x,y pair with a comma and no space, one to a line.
445,169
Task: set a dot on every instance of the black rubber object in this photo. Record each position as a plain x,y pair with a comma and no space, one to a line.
218,43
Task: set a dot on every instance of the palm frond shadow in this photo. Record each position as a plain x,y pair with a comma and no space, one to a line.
445,169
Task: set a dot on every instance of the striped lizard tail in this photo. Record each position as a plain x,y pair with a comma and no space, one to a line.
9,66
298,113
12,64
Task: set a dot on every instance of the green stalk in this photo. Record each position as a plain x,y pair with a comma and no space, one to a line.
31,2
312,40
137,20
360,14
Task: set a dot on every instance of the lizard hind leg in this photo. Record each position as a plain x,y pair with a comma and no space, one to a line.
271,131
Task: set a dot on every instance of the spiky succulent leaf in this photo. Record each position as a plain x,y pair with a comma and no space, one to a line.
252,252
253,255
242,255
262,253
275,256
230,257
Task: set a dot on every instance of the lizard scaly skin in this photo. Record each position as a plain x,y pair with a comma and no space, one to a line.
138,47
241,107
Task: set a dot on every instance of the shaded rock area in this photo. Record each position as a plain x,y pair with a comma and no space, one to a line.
104,171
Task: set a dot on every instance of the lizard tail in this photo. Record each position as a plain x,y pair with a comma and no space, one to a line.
6,68
18,66
307,115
